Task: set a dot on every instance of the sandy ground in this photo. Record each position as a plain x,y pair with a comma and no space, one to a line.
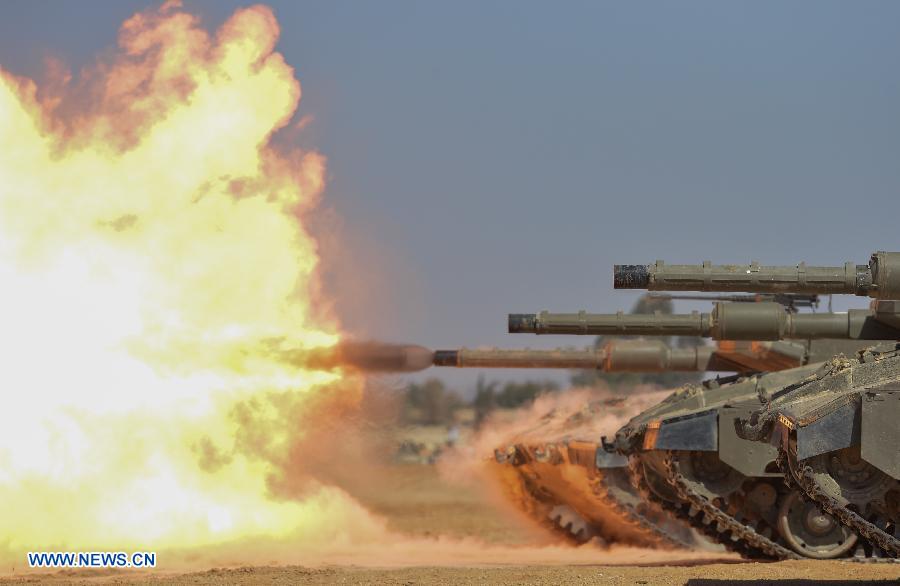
736,574
452,535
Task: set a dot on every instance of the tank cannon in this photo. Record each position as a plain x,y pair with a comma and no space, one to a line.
644,356
727,321
615,356
880,279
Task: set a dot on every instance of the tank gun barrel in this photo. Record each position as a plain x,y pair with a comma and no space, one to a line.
615,356
616,324
880,279
765,321
618,356
501,358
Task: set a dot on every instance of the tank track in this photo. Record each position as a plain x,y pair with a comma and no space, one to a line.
639,481
537,504
569,521
718,524
617,512
628,514
696,512
802,476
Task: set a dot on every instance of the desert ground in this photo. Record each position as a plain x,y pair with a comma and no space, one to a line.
468,540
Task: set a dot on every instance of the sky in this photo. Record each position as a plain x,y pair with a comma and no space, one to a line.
495,157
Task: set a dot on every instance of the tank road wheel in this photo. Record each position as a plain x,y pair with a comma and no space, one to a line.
811,532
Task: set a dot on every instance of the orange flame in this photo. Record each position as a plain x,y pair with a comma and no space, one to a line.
151,247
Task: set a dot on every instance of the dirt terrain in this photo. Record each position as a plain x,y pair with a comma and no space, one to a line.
736,574
444,533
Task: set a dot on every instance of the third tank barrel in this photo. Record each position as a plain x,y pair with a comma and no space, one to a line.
879,279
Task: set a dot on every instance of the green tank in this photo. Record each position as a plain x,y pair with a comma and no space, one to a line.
686,457
818,444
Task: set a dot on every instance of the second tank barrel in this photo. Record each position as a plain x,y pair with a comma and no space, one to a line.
525,358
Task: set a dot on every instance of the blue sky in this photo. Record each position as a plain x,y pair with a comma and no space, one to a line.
494,157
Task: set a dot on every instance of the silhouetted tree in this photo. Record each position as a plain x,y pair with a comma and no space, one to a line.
485,400
431,403
516,394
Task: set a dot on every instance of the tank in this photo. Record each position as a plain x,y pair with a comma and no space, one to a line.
681,458
815,445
